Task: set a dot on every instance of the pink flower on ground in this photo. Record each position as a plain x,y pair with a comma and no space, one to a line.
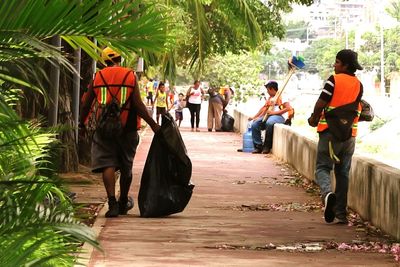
396,251
344,246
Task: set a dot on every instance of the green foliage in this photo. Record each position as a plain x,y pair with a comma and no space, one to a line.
369,52
25,31
297,29
218,27
240,71
37,223
377,123
321,55
183,77
394,9
372,149
275,63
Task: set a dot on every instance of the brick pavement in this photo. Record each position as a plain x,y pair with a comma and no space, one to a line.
244,211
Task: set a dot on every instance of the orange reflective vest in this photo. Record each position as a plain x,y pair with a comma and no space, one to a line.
346,91
114,82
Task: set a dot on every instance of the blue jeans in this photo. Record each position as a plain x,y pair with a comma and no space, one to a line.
324,165
258,125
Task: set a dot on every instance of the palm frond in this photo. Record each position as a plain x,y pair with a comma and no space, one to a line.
394,10
201,38
125,25
241,10
169,66
35,225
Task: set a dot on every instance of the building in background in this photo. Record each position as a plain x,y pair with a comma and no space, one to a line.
332,18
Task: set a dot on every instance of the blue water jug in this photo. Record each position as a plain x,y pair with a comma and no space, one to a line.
248,145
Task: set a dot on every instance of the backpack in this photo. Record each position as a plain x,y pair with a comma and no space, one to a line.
109,125
340,120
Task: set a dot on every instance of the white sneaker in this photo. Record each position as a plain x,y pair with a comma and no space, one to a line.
330,201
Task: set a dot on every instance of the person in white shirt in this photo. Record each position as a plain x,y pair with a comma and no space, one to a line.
194,98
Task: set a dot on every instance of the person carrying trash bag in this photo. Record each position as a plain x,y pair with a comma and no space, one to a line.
113,99
165,187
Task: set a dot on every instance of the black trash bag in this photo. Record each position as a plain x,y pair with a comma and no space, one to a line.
227,122
165,186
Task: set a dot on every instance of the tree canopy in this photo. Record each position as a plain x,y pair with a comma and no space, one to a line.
210,27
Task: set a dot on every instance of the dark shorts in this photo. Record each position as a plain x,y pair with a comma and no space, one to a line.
118,153
178,115
149,95
161,110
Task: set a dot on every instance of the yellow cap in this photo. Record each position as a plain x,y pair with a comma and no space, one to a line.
109,54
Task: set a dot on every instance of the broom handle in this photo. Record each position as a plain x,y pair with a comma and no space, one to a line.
279,93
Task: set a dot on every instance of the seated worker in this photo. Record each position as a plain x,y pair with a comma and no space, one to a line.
275,113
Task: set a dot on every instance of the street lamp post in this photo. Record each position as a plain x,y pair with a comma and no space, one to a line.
382,61
269,71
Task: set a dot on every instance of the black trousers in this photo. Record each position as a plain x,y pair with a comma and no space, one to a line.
194,114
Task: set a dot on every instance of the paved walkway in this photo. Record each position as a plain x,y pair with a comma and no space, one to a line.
245,211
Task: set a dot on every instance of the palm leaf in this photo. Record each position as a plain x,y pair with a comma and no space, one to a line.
123,25
33,230
201,37
33,227
240,9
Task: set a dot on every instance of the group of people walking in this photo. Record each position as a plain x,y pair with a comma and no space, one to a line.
163,100
335,115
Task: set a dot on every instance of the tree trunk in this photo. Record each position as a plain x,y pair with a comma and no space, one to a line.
73,153
32,106
84,142
68,152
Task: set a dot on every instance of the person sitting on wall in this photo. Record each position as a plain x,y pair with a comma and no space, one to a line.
275,111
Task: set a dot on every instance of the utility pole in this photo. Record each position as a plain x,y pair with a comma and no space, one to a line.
383,91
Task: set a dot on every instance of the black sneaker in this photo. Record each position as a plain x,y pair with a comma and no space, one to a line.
124,206
113,209
257,151
341,219
266,151
330,201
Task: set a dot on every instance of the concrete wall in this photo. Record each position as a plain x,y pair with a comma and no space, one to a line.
374,188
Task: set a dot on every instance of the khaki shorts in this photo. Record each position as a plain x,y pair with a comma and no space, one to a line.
118,153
